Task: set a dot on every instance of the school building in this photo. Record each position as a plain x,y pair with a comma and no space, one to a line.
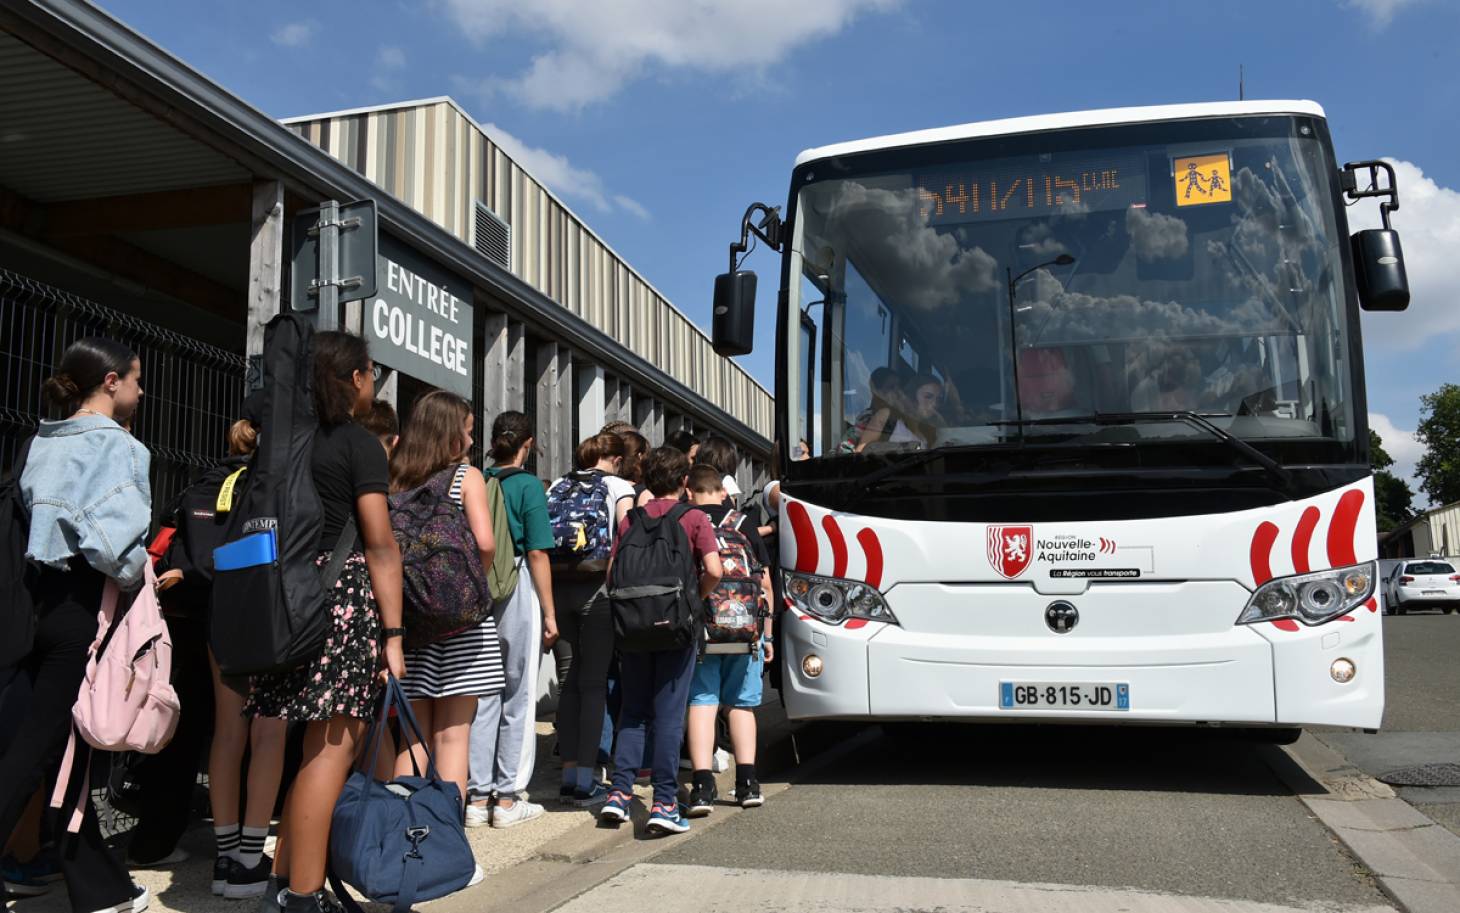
140,200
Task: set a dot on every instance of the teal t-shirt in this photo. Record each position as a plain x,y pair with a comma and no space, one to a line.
527,512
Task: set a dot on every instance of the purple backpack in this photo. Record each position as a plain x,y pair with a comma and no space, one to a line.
445,585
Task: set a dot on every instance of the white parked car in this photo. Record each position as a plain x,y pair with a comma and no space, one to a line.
1423,584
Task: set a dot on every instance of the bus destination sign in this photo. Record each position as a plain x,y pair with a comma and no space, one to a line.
1014,189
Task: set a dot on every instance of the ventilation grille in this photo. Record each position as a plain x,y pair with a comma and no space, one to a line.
493,237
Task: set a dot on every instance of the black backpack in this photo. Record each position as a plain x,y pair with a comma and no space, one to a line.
17,575
268,601
653,587
199,517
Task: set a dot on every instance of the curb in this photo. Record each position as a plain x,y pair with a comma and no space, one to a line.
588,855
1415,861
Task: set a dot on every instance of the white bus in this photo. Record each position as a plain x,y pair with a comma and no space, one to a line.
1083,397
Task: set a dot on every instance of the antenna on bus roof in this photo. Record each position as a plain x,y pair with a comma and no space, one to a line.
1241,83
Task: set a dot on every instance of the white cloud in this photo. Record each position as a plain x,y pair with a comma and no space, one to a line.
561,176
631,205
294,34
1428,222
594,49
389,61
390,58
1400,445
1380,12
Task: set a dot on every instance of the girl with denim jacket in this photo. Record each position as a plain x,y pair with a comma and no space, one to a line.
84,482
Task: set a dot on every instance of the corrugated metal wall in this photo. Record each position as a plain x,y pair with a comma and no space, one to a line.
436,159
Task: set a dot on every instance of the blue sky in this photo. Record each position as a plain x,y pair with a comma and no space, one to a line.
658,121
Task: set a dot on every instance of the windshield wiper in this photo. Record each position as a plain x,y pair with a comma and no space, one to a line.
872,479
1194,419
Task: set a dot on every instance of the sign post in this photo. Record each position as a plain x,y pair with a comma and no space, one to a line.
333,259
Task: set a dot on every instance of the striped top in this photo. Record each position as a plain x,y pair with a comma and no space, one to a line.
466,663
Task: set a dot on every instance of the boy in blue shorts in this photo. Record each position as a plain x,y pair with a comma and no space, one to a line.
729,679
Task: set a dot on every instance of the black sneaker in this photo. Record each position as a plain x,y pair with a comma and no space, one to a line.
565,794
243,883
223,866
748,795
701,800
318,902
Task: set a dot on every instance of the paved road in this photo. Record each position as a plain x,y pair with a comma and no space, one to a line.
993,818
1421,715
1190,813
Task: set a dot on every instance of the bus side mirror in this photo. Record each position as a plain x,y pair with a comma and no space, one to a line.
1379,267
734,313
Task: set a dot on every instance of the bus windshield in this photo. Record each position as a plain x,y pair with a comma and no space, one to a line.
1022,288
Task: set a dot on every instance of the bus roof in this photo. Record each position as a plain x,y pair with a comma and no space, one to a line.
1042,122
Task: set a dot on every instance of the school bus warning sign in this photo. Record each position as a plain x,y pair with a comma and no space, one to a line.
1203,179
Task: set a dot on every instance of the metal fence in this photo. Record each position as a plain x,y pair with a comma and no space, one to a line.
192,391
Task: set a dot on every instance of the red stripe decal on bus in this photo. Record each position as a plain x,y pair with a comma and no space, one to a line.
872,548
855,623
1261,552
807,557
1285,624
1372,605
838,545
1341,529
1304,538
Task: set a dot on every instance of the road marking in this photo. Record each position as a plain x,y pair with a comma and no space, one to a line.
724,890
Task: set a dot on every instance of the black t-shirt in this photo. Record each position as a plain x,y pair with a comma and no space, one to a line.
347,462
717,513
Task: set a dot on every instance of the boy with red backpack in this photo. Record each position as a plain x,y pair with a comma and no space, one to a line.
738,628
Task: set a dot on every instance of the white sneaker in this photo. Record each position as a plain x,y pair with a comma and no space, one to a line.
521,811
721,761
138,903
478,815
477,877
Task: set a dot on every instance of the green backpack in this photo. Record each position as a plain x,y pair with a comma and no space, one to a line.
502,575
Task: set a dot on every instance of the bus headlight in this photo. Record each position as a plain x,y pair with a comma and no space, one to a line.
834,600
1311,598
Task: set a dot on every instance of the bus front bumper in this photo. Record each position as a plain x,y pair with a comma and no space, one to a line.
1260,675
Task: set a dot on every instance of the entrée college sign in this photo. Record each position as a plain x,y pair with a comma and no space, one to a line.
416,323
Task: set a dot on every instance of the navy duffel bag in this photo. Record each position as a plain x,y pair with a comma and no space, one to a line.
399,842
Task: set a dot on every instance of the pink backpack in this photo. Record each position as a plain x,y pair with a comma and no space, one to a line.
126,702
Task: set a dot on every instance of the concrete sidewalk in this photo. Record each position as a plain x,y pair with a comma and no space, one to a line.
563,834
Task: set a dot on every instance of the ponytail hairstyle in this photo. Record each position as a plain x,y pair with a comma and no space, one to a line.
243,438
337,356
434,438
84,367
509,432
636,448
599,447
719,453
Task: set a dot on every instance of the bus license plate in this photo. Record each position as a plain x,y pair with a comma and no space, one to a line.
1064,696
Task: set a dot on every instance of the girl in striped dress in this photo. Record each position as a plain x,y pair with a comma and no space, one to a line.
445,678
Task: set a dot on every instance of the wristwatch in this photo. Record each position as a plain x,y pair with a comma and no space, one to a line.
388,633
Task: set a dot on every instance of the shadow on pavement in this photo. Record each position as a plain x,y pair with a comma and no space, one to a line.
1054,757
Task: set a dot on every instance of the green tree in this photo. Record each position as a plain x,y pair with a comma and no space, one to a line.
1393,499
1439,430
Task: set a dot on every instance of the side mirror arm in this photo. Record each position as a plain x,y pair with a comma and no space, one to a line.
769,229
1389,189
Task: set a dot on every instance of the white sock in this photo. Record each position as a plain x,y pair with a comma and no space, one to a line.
251,846
227,837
